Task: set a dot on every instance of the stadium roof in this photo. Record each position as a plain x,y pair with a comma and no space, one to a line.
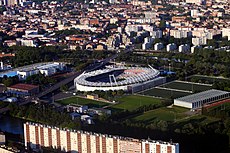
203,95
145,74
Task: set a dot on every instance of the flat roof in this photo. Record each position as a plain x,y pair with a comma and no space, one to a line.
23,86
203,95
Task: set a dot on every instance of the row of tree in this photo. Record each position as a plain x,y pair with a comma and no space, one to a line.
44,114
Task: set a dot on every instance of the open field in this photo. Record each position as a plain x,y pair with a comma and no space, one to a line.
3,104
186,86
82,101
207,79
175,89
219,110
132,102
163,113
164,93
199,119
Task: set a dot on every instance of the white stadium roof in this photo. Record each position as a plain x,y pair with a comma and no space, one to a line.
203,95
147,74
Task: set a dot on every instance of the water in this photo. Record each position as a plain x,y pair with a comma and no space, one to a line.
9,73
11,125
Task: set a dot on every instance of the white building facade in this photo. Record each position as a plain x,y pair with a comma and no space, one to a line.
37,136
197,100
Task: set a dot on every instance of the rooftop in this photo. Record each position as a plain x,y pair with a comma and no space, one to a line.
203,95
23,86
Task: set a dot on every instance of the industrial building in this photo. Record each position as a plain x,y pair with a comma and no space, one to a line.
197,100
132,79
44,68
37,136
22,89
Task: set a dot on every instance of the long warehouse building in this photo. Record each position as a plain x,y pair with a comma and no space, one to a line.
37,136
197,100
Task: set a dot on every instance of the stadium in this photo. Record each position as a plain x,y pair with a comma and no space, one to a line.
132,79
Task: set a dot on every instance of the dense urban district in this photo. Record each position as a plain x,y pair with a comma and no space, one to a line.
115,76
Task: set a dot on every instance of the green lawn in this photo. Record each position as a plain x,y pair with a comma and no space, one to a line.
164,93
209,79
82,101
132,102
186,86
3,104
163,113
199,119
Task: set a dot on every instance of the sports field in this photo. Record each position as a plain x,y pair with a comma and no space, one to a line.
82,101
132,102
187,86
175,89
207,79
163,113
164,93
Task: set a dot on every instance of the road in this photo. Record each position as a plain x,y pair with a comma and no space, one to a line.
68,80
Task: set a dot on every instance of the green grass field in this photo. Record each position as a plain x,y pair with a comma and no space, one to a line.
82,101
199,119
164,93
3,104
186,86
163,113
132,102
208,79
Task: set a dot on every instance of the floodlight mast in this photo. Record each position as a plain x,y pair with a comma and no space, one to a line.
114,79
151,67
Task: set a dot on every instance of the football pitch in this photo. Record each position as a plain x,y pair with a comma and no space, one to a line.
132,102
82,101
176,89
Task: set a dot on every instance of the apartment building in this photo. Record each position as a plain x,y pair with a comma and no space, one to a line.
197,2
37,135
199,41
226,32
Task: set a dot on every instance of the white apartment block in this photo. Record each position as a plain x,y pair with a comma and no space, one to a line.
133,27
37,136
158,46
2,138
156,34
150,14
199,41
180,33
148,43
28,42
184,48
146,46
194,13
208,33
226,32
197,2
171,47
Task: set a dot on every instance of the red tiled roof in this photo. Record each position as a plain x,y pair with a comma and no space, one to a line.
24,86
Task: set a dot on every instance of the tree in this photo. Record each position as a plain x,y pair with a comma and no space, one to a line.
64,88
162,24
